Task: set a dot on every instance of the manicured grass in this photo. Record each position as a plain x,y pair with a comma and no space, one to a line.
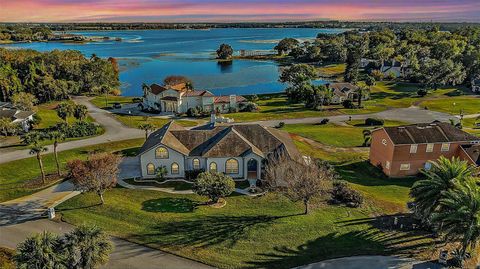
328,134
48,115
249,232
99,101
470,125
135,121
335,157
331,70
469,104
174,185
15,175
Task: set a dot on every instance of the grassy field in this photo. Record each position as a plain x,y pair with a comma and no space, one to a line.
454,105
334,157
16,176
328,134
249,232
49,117
331,70
99,101
135,121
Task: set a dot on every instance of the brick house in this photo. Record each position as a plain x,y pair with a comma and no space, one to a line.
404,150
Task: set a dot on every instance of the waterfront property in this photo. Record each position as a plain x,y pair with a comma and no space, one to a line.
404,150
179,99
236,150
16,116
344,91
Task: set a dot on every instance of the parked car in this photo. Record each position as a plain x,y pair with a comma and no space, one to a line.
117,105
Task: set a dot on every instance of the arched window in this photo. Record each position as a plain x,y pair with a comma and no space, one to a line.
161,153
174,168
150,169
231,166
213,167
196,164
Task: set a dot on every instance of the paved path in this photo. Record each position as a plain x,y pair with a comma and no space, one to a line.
411,114
114,131
371,262
126,255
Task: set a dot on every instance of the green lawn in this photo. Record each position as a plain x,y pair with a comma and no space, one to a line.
335,157
15,176
48,115
331,70
99,101
454,105
249,232
174,185
135,121
328,134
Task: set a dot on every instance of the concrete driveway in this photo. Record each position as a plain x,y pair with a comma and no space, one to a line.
126,255
371,262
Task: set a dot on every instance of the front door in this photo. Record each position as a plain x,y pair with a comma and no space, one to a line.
252,169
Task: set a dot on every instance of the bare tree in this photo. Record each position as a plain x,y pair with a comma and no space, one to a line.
299,180
97,174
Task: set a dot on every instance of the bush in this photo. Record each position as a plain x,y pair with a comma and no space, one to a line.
377,74
323,122
390,76
193,174
213,185
374,122
422,92
248,107
348,104
78,129
197,112
280,125
137,100
342,193
232,110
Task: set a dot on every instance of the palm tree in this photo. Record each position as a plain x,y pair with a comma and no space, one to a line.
56,136
460,215
37,150
146,127
367,137
87,247
40,251
428,192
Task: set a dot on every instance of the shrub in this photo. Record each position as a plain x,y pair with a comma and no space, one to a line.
422,92
390,76
193,174
78,129
232,110
137,100
248,107
374,122
377,74
323,122
280,125
342,193
348,104
213,185
196,112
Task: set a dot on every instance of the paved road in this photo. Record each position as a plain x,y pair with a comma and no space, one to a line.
371,262
114,131
410,114
126,255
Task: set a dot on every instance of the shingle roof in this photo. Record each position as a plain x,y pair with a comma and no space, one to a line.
8,113
428,133
342,89
222,141
15,114
226,99
473,151
169,98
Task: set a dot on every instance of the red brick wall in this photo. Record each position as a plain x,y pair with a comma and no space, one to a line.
379,152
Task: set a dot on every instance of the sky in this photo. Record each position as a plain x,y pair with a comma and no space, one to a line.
237,10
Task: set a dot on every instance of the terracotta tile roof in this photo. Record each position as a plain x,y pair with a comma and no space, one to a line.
226,99
218,141
198,93
156,89
440,132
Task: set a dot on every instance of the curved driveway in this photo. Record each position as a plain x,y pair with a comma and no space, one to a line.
371,262
114,131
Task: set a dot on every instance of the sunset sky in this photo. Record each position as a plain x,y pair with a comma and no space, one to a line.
239,10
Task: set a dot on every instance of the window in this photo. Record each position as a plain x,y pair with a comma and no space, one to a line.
413,148
161,153
231,166
405,166
213,167
387,165
196,164
150,169
429,147
384,142
174,168
445,147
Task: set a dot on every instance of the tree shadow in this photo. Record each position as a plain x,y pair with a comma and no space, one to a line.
205,231
170,205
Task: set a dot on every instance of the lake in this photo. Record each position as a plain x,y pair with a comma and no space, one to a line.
148,56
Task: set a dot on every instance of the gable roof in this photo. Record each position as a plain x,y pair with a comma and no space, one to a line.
156,89
15,114
440,132
226,99
204,93
222,141
473,151
342,89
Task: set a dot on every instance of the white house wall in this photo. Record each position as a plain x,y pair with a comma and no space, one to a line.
173,157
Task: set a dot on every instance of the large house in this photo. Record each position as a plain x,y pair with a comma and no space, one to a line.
236,150
178,99
398,69
16,116
344,91
404,150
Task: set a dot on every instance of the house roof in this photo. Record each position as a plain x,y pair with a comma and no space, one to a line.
8,113
156,89
169,98
473,151
198,93
226,99
222,141
15,114
342,89
439,132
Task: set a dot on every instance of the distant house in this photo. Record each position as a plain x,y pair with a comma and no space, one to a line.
368,63
178,99
16,116
344,91
476,85
394,67
236,150
404,150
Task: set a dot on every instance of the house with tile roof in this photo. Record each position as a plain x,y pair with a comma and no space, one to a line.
236,150
404,150
178,99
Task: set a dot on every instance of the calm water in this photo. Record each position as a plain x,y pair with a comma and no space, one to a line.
148,56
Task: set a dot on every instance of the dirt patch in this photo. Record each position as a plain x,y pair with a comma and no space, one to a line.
221,203
37,183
